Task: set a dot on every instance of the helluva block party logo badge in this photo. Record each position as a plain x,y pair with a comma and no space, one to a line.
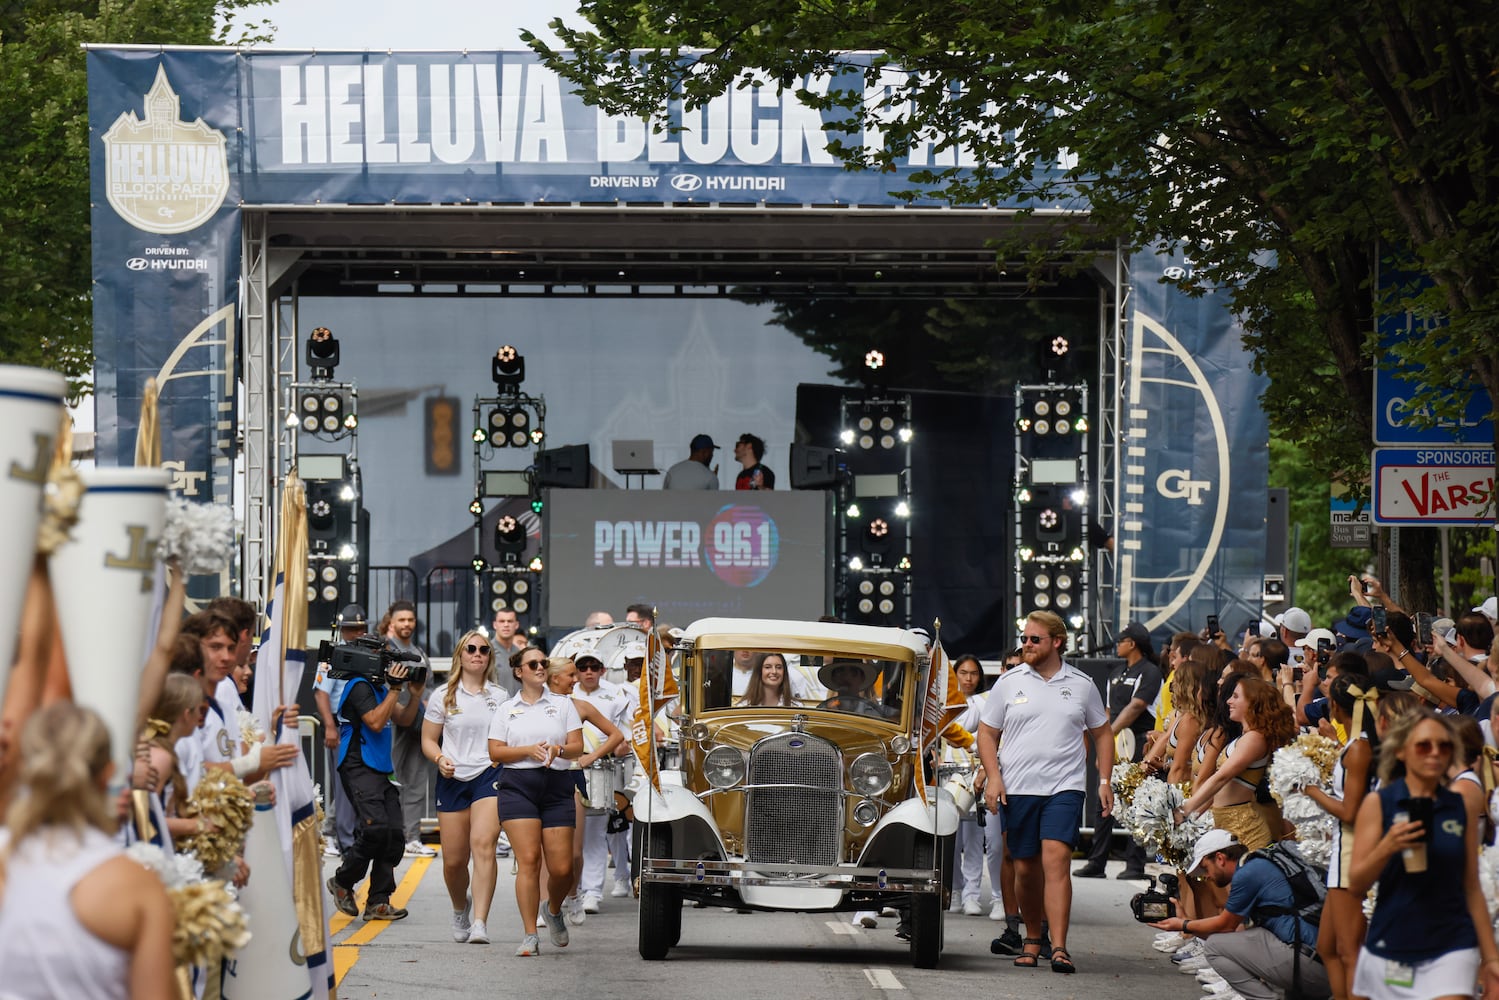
164,175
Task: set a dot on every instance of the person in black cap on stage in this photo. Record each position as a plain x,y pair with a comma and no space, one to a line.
693,472
1132,689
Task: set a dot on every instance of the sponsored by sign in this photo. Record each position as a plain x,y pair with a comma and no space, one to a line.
1433,486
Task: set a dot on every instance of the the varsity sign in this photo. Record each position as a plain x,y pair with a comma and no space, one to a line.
165,175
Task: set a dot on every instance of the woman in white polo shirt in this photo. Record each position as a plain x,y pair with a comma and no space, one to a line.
528,734
455,737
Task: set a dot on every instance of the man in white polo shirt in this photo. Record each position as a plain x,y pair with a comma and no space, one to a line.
1039,775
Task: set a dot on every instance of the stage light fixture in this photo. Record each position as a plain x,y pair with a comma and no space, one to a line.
1059,346
1042,408
322,354
1023,424
1080,425
1076,621
1078,497
498,604
347,552
1023,495
479,435
498,585
904,565
887,587
855,563
1064,407
509,540
887,441
1026,553
346,493
1064,601
522,605
1062,427
350,421
887,606
1042,427
874,360
329,574
866,441
902,509
1041,581
508,370
865,606
330,594
887,423
537,436
1076,555
1043,601
905,435
535,565
846,436
853,511
476,507
479,564
536,506
1064,581
866,587
291,419
879,528
866,423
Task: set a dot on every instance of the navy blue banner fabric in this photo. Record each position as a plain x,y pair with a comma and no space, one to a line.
181,140
163,156
1194,458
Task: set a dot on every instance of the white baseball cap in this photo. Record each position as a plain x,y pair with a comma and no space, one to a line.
1490,610
1295,620
1311,638
1212,842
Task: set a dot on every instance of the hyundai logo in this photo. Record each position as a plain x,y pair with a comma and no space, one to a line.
1175,273
686,182
137,264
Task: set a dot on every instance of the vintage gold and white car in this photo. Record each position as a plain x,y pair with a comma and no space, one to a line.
811,807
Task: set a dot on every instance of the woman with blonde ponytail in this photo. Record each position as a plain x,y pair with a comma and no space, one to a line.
455,737
78,919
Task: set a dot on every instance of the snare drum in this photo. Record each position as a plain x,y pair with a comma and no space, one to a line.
602,778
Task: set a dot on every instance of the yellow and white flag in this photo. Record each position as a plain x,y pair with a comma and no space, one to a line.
657,686
278,677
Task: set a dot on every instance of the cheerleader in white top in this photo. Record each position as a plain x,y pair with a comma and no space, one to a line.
78,918
528,735
601,736
1351,699
455,737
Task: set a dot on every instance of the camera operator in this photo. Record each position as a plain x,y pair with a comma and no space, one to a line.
364,708
325,692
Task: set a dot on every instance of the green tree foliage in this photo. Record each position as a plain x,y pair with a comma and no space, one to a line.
45,309
1284,147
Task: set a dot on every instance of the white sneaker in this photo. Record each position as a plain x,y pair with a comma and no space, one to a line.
417,849
591,903
997,911
330,850
866,918
972,908
889,911
478,933
1189,950
1193,965
1207,975
556,926
1217,989
1168,942
621,890
529,945
462,922
572,908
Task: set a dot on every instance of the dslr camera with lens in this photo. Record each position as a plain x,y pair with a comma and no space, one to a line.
369,657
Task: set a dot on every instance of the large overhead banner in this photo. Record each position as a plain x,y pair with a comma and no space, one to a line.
181,140
1194,458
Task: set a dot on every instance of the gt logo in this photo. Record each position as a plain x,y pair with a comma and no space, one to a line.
1177,484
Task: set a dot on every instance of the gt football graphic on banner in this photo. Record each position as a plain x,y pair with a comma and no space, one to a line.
1194,459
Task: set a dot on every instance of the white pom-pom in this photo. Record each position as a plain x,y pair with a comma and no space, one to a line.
1292,770
250,729
199,536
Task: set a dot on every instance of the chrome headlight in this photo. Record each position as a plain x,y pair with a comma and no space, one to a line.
866,813
870,774
900,745
724,767
697,732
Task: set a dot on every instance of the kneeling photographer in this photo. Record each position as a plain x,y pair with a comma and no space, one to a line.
373,675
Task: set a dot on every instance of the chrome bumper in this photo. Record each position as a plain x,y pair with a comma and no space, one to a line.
733,874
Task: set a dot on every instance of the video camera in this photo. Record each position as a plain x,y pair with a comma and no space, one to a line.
368,658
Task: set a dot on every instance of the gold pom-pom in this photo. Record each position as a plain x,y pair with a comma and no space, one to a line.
226,808
209,924
1320,751
1126,779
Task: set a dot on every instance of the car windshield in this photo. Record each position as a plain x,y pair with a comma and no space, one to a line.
830,681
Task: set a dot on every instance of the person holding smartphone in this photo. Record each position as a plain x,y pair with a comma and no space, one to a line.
1429,935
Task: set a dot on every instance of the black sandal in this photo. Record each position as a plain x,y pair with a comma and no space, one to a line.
1026,959
1062,962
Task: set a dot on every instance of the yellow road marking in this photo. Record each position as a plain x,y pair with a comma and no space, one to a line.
346,953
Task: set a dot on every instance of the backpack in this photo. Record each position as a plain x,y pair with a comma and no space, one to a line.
1308,891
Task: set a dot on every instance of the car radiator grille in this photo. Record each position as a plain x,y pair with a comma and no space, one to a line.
804,824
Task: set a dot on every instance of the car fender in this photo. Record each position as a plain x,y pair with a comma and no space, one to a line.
914,815
695,834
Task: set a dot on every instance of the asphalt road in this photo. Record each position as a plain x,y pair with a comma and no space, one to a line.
731,954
